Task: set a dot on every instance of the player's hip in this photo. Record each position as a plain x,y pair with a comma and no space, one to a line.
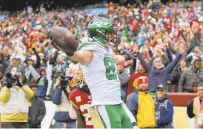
99,102
110,116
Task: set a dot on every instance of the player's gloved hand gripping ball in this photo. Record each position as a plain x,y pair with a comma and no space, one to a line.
63,40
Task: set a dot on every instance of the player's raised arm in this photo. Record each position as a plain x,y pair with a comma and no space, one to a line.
83,57
64,40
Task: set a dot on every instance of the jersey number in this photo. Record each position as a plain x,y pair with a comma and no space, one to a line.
110,68
85,110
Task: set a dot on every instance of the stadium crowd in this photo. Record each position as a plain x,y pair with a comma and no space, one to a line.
161,32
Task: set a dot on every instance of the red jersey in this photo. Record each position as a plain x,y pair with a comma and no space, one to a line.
82,101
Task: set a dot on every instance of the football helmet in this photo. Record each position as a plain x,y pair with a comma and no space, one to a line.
77,79
103,31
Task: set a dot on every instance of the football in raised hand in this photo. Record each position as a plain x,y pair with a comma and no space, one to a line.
63,39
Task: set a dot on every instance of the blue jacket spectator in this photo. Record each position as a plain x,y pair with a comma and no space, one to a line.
63,113
163,109
140,40
158,74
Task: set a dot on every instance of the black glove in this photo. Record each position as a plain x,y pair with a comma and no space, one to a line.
129,55
18,82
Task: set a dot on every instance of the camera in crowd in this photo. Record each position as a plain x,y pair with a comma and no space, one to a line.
63,81
10,79
125,51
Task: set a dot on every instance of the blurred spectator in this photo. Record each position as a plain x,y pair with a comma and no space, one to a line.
56,74
141,104
13,68
15,100
163,108
197,108
177,72
192,56
158,52
42,83
37,109
157,74
140,39
65,115
191,77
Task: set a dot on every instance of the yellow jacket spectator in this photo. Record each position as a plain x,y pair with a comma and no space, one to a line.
14,105
141,104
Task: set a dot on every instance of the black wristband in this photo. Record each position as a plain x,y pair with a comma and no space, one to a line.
69,54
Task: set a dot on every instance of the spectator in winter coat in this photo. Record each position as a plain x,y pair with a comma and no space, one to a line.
42,83
13,68
158,52
192,56
14,105
191,77
65,115
37,109
163,108
141,104
157,74
56,75
177,72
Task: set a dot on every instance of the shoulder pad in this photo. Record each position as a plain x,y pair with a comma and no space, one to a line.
88,46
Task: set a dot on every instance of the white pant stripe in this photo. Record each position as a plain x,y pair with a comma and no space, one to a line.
127,111
103,113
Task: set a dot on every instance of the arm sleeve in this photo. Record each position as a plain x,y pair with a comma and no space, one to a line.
28,92
46,85
53,60
181,82
168,116
172,49
42,111
4,95
132,103
165,59
37,65
151,61
170,66
34,73
170,58
150,52
56,99
133,66
146,66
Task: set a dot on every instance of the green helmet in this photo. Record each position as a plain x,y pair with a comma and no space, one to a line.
98,27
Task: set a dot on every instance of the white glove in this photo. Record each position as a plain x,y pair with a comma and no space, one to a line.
136,127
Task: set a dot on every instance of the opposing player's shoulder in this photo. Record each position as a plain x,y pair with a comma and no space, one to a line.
73,94
91,46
